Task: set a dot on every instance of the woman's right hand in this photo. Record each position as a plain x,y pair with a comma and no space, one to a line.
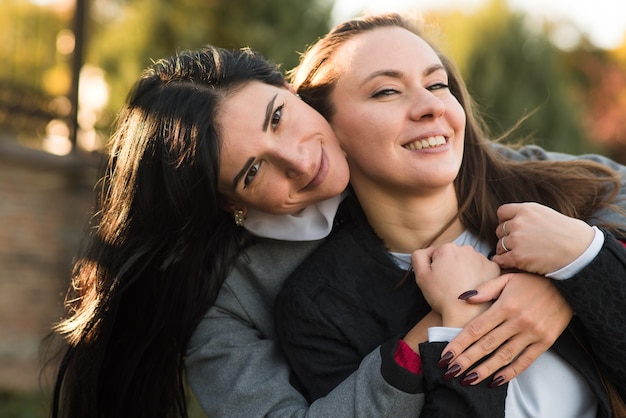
444,273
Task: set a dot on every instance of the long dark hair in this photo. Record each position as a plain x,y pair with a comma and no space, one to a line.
160,244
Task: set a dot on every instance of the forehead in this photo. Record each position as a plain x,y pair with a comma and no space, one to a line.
384,47
244,108
241,118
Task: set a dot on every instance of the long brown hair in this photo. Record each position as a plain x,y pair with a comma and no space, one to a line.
486,179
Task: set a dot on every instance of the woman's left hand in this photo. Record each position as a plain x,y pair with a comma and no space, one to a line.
538,239
525,320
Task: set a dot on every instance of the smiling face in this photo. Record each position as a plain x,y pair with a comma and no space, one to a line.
278,155
394,115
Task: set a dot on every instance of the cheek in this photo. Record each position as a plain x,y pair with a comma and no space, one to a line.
354,129
457,115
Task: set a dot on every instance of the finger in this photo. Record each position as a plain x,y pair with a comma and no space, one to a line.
504,260
474,331
489,290
504,228
502,247
509,360
484,346
422,259
521,363
507,211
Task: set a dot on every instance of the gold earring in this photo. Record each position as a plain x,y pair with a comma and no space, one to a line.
239,217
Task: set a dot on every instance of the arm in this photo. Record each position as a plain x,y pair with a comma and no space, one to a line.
515,313
546,242
597,294
321,354
326,333
234,365
443,274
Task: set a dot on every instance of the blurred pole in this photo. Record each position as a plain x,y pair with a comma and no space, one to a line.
77,63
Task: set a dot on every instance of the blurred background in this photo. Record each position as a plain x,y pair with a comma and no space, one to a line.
68,64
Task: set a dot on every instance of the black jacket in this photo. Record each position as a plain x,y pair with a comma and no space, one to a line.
349,297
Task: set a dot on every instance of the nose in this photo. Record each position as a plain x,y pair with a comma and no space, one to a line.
426,105
292,158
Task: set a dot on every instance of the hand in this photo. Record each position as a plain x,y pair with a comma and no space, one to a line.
444,273
525,320
539,239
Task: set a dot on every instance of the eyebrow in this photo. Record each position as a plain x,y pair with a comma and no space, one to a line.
398,74
242,172
268,113
266,123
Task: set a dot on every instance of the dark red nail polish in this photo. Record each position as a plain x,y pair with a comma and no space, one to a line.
445,359
496,382
452,371
470,378
468,294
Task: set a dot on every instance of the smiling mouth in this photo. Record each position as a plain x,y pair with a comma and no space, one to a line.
322,171
430,142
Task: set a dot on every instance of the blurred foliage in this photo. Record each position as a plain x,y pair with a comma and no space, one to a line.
23,405
37,404
28,35
127,35
569,100
124,36
515,73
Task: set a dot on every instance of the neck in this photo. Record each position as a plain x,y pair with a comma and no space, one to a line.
410,222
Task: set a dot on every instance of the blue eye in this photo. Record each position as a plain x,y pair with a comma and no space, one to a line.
251,174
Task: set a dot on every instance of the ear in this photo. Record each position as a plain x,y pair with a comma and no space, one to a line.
231,206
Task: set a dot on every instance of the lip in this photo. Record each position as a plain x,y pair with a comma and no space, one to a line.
320,175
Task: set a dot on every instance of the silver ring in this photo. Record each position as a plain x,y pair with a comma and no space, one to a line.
504,229
506,250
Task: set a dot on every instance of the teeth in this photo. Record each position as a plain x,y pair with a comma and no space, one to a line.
432,141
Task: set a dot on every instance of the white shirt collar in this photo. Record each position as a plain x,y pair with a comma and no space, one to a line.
311,223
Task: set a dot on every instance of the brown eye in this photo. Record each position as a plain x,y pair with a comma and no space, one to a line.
276,116
251,174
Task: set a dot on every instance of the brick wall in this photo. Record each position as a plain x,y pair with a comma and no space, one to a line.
44,206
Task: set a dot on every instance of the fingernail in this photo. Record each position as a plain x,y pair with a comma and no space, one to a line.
452,371
496,382
445,359
470,378
468,294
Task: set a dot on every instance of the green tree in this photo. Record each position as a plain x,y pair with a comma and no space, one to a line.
513,72
127,35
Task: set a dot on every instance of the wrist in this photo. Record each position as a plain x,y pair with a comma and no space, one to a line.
460,315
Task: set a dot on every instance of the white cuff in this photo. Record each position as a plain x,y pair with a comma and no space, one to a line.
442,334
581,262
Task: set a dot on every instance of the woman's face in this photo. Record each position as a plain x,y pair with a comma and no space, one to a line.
395,117
278,154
